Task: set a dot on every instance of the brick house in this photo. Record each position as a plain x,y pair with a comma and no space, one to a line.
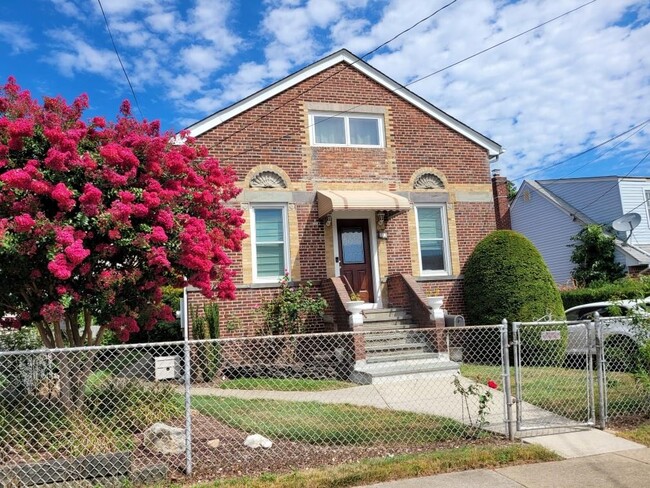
352,182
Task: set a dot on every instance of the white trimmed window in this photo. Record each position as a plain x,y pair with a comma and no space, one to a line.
357,130
269,242
646,195
433,242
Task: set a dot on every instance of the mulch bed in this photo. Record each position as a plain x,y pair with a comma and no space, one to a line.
233,459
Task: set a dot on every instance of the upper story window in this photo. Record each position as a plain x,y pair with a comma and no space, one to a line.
269,242
356,130
433,242
646,194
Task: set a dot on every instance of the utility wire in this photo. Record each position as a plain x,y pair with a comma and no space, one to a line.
586,151
424,19
499,43
601,155
119,58
616,184
403,87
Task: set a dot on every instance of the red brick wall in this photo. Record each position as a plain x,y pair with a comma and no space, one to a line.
275,133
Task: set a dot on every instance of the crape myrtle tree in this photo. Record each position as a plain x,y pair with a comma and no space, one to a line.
96,217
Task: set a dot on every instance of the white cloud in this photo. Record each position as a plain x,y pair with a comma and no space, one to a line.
76,55
544,96
16,36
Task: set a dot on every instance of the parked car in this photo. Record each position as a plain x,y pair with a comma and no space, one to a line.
621,337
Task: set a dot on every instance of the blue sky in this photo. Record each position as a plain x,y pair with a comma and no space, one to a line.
545,96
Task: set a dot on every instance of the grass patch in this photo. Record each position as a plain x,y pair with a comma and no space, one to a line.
284,384
564,390
328,424
640,434
399,467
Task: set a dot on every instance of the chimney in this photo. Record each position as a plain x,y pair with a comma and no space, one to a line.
501,203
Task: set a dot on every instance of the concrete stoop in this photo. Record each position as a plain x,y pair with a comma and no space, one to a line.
366,373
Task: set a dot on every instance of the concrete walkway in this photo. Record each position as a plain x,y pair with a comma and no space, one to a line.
433,395
623,469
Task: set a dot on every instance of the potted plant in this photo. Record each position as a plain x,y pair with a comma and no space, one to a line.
355,305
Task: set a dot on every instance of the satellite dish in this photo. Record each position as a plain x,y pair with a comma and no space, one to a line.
627,223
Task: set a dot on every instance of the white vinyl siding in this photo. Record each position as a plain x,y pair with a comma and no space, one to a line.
548,228
433,244
269,242
357,130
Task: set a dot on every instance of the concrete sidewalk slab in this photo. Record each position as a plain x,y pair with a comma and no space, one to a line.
625,469
642,455
605,470
583,443
479,478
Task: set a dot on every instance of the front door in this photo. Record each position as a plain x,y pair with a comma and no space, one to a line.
354,256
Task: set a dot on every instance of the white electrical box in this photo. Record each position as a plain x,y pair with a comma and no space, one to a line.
167,367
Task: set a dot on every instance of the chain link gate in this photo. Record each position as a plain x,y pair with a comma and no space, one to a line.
553,361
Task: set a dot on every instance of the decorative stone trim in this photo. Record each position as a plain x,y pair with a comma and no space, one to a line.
428,181
267,176
267,179
428,178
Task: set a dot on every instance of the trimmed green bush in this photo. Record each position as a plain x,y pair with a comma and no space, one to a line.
506,277
627,288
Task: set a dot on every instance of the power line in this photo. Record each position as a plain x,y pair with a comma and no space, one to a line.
586,151
500,43
403,87
616,184
424,19
119,58
602,155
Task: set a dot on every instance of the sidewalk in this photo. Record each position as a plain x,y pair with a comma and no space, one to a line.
628,466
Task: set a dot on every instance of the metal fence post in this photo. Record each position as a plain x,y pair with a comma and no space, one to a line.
600,368
507,390
517,361
187,379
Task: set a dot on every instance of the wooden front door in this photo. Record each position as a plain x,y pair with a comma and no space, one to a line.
354,256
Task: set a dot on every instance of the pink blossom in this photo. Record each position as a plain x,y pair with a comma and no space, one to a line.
52,312
76,253
60,267
158,234
17,178
64,235
24,223
63,196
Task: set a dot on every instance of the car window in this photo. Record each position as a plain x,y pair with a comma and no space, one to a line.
573,314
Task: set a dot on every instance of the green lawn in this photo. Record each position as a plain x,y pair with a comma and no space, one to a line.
318,423
284,384
564,391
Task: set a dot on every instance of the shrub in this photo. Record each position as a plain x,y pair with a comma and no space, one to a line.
626,288
506,277
288,312
594,256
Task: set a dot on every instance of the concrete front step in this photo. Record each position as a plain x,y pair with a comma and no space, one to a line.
396,348
383,314
387,325
366,372
400,356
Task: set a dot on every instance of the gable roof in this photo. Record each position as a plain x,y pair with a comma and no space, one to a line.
344,56
581,218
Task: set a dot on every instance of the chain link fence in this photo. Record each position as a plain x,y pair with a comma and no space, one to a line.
244,406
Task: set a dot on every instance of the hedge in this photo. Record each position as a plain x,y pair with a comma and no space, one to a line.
506,277
627,288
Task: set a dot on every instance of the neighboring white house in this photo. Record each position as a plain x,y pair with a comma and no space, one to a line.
550,212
